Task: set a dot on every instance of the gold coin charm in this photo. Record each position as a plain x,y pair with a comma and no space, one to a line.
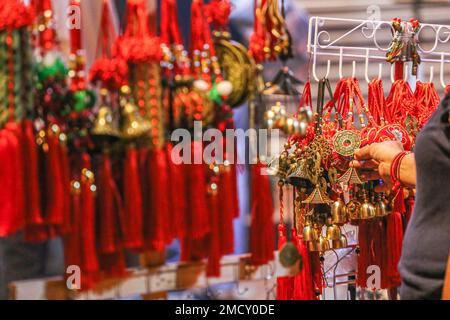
289,255
345,142
237,67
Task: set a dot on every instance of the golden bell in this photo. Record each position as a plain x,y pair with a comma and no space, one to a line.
269,118
366,211
295,127
333,232
338,212
104,125
339,244
319,245
352,209
276,117
310,233
305,114
380,208
134,125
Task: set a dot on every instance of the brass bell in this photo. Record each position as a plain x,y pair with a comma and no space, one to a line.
339,244
333,232
305,115
366,211
319,245
134,125
275,117
295,127
310,233
269,117
352,209
338,212
104,125
381,208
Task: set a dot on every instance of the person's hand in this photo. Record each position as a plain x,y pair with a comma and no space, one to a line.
374,161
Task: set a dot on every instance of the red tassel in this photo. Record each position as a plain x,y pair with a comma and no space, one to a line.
214,254
303,285
32,190
284,284
157,233
410,209
235,197
12,214
316,272
113,264
394,247
54,193
107,207
261,229
177,204
364,254
384,256
227,209
376,249
72,240
111,257
198,224
66,225
90,266
399,201
132,224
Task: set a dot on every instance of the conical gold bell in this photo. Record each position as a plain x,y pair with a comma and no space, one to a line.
339,244
310,233
338,212
104,125
133,125
352,209
319,245
366,211
380,208
333,231
295,127
306,114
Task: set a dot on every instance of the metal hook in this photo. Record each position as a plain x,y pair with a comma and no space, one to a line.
392,73
380,68
314,70
441,76
341,57
431,74
405,72
380,71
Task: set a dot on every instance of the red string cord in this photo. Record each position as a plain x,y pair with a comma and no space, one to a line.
427,101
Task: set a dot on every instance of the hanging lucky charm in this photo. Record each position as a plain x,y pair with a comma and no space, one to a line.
404,43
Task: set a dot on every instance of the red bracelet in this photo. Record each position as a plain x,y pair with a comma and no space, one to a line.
395,168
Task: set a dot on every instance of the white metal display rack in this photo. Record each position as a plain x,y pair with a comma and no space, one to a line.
321,42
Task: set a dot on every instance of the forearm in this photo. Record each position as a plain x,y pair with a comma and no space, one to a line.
408,171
